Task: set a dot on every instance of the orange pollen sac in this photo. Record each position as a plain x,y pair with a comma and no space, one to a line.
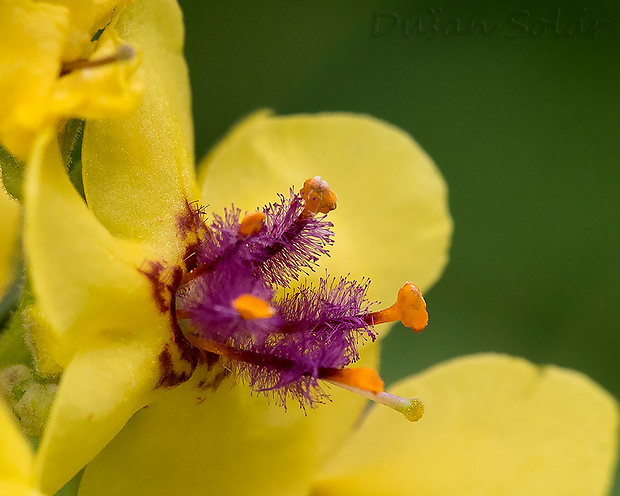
318,196
251,224
410,309
250,307
363,378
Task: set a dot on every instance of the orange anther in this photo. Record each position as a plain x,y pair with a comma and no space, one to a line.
250,307
251,224
363,378
410,309
318,196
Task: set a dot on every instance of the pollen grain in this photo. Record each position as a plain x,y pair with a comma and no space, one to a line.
250,307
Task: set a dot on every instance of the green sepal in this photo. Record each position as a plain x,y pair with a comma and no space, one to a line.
10,300
71,150
12,173
13,346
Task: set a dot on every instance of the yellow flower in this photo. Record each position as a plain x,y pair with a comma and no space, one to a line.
96,315
53,66
108,330
105,328
105,319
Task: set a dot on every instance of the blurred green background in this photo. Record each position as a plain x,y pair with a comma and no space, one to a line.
522,120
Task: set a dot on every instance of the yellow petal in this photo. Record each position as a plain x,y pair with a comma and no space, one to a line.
230,443
15,454
492,425
9,213
16,489
109,90
138,171
87,284
156,28
31,42
99,391
85,18
392,222
222,442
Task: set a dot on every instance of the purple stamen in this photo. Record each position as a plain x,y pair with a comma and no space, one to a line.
314,327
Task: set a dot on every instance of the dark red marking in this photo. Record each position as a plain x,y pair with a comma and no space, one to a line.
161,291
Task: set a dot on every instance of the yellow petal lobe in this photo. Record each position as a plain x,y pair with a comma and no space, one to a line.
493,425
139,187
87,284
248,450
98,393
392,219
15,454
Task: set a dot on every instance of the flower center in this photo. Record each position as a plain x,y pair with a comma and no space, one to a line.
283,345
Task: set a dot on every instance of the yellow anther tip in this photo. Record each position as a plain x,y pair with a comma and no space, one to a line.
318,196
413,307
251,224
250,307
415,411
